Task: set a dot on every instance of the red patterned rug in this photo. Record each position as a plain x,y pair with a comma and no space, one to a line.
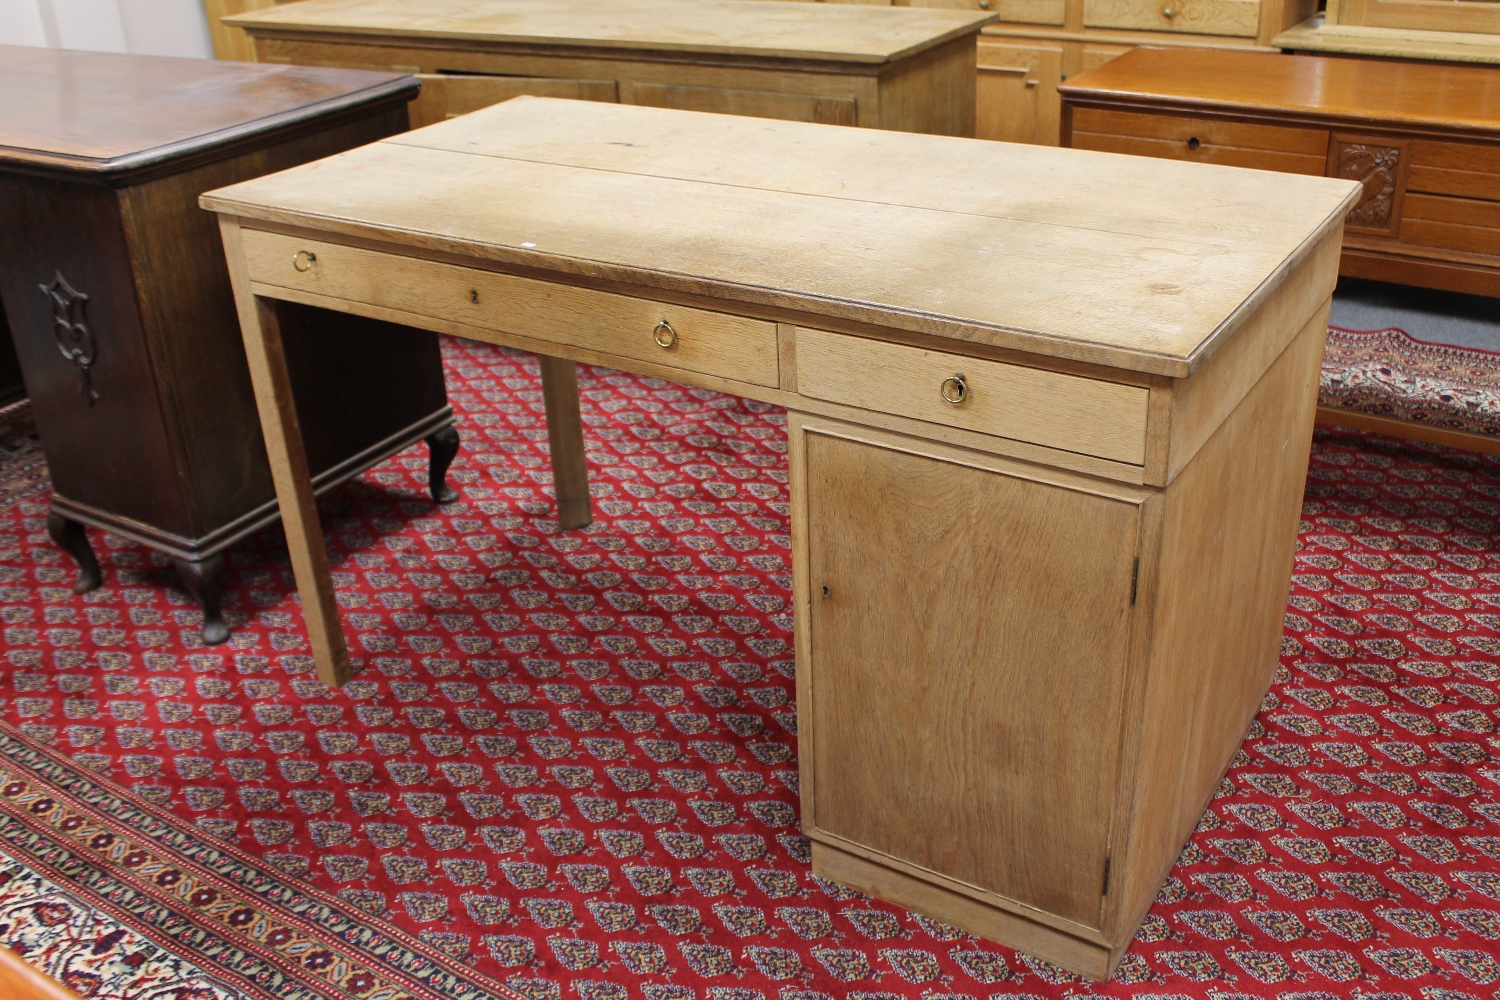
1390,373
568,766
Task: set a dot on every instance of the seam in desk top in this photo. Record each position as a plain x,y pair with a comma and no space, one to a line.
394,141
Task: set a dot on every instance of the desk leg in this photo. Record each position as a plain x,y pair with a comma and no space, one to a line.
570,473
299,510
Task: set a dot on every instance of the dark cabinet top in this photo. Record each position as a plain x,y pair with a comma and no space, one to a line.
112,117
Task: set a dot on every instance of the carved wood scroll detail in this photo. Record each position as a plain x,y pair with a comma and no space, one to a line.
74,339
1376,167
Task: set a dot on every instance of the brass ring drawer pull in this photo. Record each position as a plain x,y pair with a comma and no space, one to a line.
302,260
954,389
664,335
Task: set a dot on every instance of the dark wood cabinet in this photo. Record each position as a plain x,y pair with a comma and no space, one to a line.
120,307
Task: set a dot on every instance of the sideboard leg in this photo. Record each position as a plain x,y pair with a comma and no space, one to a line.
570,472
72,539
204,579
442,447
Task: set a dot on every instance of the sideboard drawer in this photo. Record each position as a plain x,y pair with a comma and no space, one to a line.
1464,169
1462,224
1068,412
448,95
674,336
1234,144
1200,17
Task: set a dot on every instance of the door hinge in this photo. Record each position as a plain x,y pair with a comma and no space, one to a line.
1135,573
1106,876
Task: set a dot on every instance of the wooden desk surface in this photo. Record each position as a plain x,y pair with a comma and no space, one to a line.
1026,247
1376,91
100,113
757,28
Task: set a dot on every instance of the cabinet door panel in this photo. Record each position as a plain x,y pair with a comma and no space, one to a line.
1017,99
755,103
448,95
967,665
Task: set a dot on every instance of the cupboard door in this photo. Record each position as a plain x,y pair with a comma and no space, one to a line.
448,95
1017,99
754,103
968,635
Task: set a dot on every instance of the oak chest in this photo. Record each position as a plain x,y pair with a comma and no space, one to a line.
1422,140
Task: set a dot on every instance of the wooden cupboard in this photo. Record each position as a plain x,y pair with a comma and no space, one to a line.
1037,44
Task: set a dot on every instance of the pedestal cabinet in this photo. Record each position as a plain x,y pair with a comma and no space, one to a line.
118,298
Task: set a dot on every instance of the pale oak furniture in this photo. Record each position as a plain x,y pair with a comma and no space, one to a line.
1074,427
911,70
119,302
1422,139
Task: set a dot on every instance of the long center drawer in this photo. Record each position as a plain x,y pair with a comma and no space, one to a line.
1233,144
693,340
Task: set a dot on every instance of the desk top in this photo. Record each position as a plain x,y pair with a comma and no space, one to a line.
1027,247
103,115
1463,98
771,29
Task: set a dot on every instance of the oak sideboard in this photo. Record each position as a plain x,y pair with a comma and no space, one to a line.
1422,140
911,70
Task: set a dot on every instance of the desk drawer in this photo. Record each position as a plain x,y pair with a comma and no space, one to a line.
1084,415
708,343
1451,224
1234,144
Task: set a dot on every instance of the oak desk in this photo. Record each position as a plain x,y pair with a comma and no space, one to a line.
1075,427
881,67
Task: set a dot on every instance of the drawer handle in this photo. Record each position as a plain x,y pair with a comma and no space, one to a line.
954,389
1168,13
1193,143
664,335
302,260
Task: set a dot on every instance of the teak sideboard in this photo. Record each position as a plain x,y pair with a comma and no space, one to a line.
1422,140
119,301
911,70
1074,427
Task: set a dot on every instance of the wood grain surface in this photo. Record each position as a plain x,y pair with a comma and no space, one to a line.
936,696
142,110
755,28
836,228
1362,91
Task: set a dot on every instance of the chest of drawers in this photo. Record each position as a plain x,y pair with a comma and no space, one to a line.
1422,140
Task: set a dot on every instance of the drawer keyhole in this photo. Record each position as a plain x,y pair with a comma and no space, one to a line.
954,389
1193,143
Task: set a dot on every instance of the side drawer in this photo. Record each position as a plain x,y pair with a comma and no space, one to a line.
708,343
1451,224
1068,412
1199,140
1199,17
1462,169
